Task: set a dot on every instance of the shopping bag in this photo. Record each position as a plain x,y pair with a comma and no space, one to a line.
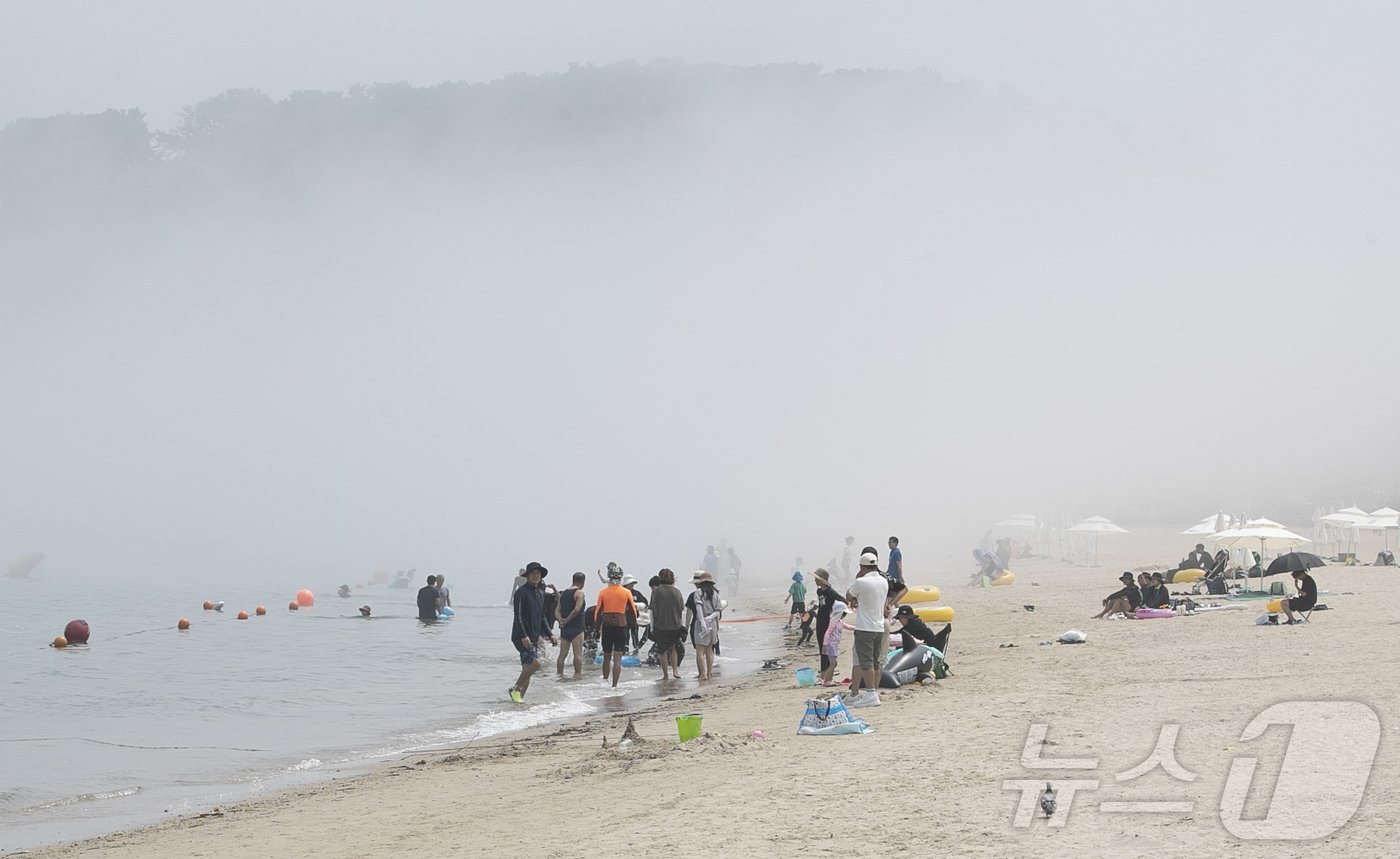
826,716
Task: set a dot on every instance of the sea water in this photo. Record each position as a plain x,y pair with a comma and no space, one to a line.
146,722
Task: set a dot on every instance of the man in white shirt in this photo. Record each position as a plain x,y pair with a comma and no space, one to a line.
868,593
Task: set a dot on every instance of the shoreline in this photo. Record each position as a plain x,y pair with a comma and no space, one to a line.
944,768
301,786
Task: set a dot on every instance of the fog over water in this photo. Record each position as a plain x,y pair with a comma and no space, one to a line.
708,282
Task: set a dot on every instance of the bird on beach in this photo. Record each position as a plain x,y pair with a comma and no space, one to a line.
1047,801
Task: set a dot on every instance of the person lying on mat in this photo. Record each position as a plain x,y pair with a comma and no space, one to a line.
1306,598
1125,600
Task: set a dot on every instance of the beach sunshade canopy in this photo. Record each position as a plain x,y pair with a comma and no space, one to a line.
1292,562
1355,511
1340,518
1020,520
1262,523
1096,525
1278,536
1386,511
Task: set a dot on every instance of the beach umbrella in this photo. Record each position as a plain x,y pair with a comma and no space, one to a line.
983,557
1019,520
1265,534
20,568
1096,525
1292,562
1382,521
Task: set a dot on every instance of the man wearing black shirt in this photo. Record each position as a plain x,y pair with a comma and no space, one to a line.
1306,598
913,631
428,598
1125,600
826,598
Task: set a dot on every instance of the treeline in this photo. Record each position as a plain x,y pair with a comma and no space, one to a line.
630,117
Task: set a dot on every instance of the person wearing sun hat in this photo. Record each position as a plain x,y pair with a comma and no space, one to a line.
826,598
702,614
797,592
527,627
1124,601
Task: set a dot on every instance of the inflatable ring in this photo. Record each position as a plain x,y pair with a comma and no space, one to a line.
1275,605
1149,613
934,613
1006,578
446,613
1186,577
922,593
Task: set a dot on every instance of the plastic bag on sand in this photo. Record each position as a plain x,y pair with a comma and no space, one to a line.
1073,636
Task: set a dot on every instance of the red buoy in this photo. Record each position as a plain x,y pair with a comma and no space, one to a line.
77,632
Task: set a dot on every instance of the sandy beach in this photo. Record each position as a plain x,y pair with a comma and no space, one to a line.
933,777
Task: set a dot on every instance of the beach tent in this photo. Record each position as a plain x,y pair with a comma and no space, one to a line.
1276,535
1094,526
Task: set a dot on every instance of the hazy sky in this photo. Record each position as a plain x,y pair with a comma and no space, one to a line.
1286,68
775,351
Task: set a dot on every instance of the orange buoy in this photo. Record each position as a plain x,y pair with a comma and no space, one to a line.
292,606
305,598
243,615
183,624
208,605
59,641
261,610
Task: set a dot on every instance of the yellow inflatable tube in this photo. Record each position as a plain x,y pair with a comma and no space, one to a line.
922,593
1275,605
1006,578
1186,577
934,613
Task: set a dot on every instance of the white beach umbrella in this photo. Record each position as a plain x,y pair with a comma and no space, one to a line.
1020,520
1383,522
1354,511
1096,525
1278,535
1386,511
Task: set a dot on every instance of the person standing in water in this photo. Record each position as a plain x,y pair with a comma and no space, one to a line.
443,593
734,566
570,615
614,614
667,622
429,599
527,627
702,610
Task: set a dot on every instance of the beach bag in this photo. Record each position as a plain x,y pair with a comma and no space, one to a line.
829,716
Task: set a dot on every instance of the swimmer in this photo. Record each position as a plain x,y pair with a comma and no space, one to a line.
364,611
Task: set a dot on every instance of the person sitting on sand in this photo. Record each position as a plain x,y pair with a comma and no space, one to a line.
914,632
1125,600
1199,559
1306,599
1156,595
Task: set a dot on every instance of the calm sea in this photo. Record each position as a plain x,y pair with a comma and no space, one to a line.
146,722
